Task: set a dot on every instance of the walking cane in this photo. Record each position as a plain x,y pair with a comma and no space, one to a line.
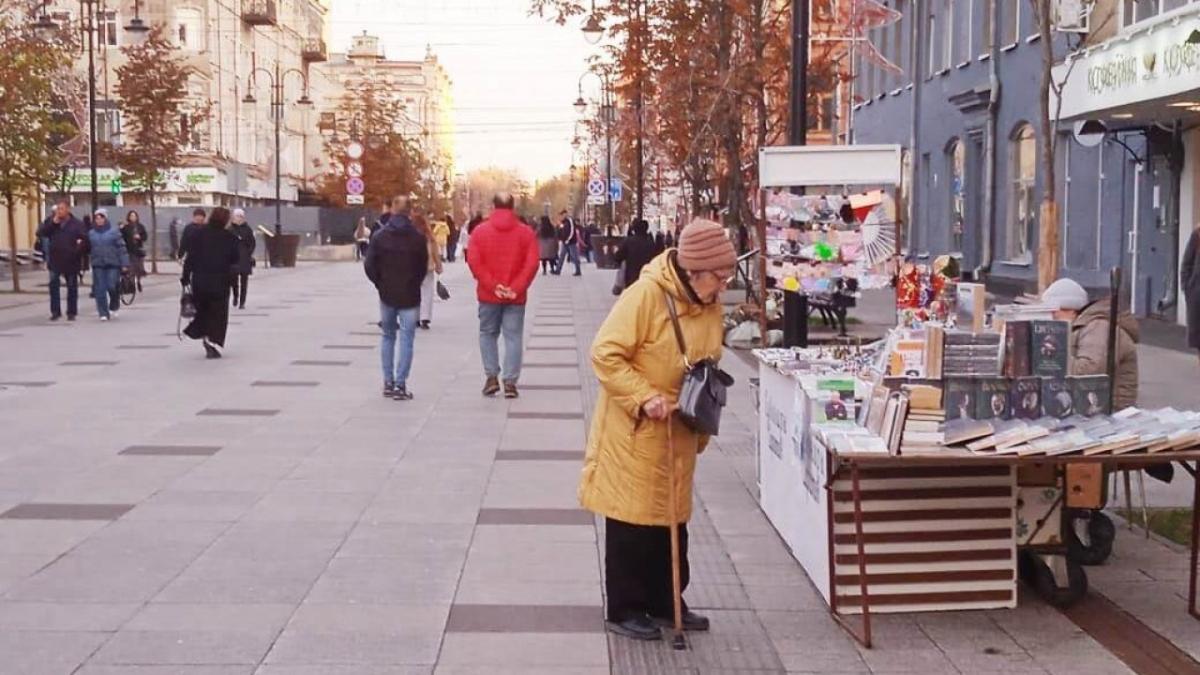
678,641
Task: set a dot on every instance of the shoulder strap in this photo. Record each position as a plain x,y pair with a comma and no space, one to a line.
675,324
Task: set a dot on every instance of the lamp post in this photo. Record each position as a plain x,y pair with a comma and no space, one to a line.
276,79
606,111
46,28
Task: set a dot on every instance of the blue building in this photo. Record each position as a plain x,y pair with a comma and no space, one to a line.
977,176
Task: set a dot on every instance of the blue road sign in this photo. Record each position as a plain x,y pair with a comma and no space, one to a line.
614,190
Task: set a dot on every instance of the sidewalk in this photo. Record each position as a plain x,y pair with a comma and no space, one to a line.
271,513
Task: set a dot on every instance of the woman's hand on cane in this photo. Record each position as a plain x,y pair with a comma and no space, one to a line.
658,408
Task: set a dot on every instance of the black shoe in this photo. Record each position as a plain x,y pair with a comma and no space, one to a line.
389,390
692,622
637,628
510,390
55,317
577,274
491,387
242,305
211,349
70,317
402,394
425,325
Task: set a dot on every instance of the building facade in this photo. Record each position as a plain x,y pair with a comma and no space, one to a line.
976,168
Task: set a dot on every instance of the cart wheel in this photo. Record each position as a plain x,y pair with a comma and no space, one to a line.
1101,533
1038,574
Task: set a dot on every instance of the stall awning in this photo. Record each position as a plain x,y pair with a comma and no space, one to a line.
833,165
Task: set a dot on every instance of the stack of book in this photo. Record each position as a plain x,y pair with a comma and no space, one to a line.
1130,430
923,424
967,354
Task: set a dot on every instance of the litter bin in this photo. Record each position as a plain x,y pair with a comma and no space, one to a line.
282,249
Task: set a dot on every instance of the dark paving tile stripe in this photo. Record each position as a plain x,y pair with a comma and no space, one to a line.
30,385
36,511
363,332
539,455
550,387
273,307
534,517
237,412
550,365
545,416
312,362
172,450
552,335
550,349
88,363
525,619
143,346
10,335
351,347
252,314
1135,643
284,383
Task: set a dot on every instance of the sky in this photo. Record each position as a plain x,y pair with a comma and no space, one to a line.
515,76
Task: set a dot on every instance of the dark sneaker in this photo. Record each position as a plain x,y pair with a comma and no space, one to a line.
55,317
491,387
637,628
425,325
402,394
510,390
692,622
210,352
70,317
389,390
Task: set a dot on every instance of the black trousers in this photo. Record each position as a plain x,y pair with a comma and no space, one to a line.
241,284
637,565
212,317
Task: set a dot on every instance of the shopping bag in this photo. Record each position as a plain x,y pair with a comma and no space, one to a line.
442,291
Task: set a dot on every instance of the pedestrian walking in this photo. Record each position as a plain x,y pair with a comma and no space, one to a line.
173,238
547,240
362,237
135,243
106,246
397,261
660,241
625,477
635,251
568,236
504,260
468,230
441,235
65,245
587,248
1189,281
199,218
433,270
208,268
245,264
452,240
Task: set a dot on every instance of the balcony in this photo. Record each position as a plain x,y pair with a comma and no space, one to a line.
259,12
313,50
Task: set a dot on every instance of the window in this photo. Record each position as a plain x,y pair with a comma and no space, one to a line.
188,29
1022,209
108,124
820,112
985,26
956,165
934,39
948,32
965,16
189,130
886,79
107,28
1010,21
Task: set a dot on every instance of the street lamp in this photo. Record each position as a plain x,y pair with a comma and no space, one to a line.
277,79
593,30
137,28
46,29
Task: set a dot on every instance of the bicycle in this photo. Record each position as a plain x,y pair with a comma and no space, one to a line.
127,288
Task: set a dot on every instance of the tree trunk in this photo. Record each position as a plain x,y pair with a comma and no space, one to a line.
1048,253
12,242
153,234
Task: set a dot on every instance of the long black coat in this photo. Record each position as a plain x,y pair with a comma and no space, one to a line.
246,246
1189,281
634,252
136,245
212,253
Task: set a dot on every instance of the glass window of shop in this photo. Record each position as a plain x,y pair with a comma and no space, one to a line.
956,166
1022,208
1136,11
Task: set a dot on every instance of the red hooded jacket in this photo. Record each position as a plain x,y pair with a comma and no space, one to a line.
503,251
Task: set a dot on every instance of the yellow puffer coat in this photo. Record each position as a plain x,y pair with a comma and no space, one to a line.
636,358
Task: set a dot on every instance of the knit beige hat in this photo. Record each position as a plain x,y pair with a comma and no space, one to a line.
704,247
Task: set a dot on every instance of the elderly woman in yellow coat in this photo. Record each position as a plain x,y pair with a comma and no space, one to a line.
625,475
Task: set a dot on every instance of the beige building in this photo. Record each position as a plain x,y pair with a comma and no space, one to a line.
236,47
422,86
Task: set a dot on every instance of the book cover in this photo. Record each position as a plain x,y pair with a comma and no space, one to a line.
1025,398
908,359
835,400
879,401
897,430
1016,349
1057,400
959,397
1049,348
962,430
1090,393
992,399
970,301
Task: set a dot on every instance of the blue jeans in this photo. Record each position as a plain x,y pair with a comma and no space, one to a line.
494,320
104,289
72,293
397,366
569,251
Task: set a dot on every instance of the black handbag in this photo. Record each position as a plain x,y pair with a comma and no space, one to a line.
187,305
442,291
702,394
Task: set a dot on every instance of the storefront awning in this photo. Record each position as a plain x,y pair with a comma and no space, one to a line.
834,165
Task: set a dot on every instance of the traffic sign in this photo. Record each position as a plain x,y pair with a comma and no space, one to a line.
595,200
354,150
614,189
595,187
354,199
355,186
354,169
115,186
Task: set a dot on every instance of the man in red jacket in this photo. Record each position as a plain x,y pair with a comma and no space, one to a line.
503,256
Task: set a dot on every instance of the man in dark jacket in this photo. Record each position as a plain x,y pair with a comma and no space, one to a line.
635,251
569,235
67,245
396,262
185,239
245,264
212,253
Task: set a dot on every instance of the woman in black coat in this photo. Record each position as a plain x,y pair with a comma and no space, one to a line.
135,236
1189,281
245,264
635,250
208,269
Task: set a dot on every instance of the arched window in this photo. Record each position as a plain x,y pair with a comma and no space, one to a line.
1022,208
956,164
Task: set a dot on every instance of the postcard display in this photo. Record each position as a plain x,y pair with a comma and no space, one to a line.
808,413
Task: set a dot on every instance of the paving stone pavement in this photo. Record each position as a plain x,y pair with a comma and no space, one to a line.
272,513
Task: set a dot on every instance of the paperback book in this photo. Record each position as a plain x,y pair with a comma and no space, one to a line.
959,396
1090,393
1025,398
1049,348
1057,399
992,399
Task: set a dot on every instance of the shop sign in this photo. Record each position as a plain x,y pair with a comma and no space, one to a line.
173,180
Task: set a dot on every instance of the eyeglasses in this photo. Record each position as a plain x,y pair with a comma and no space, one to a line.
724,276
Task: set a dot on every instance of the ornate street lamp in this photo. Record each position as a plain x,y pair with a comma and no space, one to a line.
593,30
